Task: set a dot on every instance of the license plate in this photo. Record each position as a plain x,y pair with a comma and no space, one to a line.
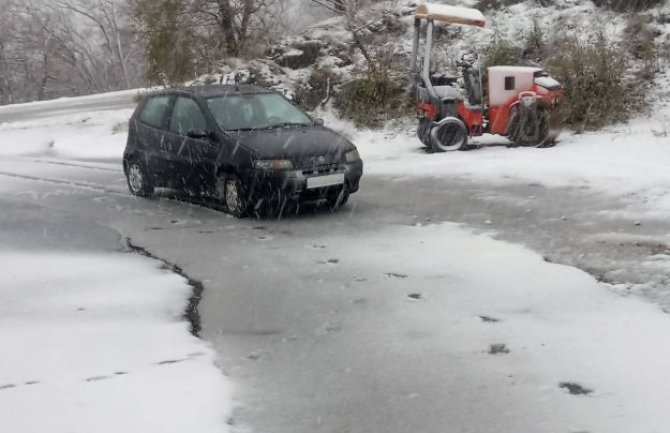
323,181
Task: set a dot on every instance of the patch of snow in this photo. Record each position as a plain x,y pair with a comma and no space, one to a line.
95,135
558,326
293,52
97,343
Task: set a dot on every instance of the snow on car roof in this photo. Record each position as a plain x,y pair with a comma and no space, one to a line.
226,89
214,90
451,14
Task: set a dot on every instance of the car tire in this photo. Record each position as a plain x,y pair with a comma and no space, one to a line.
232,194
139,180
338,199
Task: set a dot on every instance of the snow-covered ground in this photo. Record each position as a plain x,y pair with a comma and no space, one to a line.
520,338
78,136
97,343
105,348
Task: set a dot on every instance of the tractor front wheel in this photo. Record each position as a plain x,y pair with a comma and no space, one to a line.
449,134
423,131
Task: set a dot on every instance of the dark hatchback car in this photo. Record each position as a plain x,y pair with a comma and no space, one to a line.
247,147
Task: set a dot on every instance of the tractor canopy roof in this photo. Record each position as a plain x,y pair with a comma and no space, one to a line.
516,69
451,14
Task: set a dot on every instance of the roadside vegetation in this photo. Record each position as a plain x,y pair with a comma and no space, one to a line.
357,65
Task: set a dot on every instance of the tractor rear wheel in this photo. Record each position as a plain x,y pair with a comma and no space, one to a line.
529,130
449,134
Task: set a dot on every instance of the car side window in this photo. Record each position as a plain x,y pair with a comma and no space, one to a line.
510,83
154,110
187,116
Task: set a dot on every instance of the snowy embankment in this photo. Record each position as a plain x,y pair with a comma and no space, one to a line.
97,343
94,135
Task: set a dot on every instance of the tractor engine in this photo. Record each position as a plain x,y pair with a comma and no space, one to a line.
472,79
520,100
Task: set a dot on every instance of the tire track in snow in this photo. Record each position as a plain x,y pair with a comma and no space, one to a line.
85,185
201,202
72,164
117,373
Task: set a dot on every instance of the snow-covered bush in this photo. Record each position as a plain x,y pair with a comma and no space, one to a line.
317,89
373,99
502,52
641,44
628,5
597,92
485,5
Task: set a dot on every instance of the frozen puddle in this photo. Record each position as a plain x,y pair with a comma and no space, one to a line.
98,343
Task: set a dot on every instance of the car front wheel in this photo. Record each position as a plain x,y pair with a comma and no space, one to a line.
337,199
139,181
231,193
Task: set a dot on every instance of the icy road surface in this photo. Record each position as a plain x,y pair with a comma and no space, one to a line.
386,316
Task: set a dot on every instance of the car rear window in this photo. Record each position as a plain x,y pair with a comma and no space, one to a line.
154,110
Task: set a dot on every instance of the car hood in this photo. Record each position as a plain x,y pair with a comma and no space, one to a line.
295,143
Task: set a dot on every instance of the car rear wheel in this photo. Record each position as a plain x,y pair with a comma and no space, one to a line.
231,193
139,181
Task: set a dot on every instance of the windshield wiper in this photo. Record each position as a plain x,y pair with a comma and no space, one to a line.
240,129
284,125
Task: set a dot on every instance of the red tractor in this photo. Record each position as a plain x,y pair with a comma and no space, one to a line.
519,97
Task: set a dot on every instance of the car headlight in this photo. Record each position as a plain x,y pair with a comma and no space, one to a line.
352,156
274,164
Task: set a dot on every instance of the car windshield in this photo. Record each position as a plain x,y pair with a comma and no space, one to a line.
255,111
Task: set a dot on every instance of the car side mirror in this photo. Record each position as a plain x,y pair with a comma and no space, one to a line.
318,122
198,134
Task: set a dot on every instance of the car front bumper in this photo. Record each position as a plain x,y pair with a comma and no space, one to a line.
305,184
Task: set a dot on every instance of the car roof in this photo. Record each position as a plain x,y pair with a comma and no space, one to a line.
214,90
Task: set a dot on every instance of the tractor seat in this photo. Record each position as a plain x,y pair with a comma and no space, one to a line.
475,108
443,80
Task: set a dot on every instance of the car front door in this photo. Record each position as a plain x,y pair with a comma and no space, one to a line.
191,149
